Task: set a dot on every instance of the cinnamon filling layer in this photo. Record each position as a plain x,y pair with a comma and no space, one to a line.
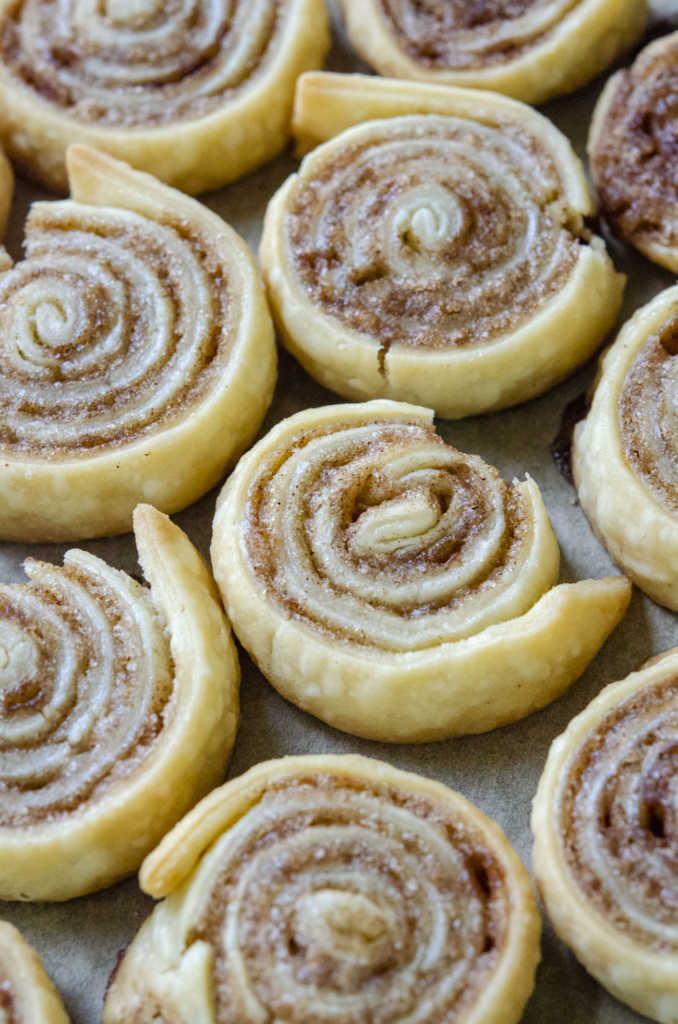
113,328
465,35
347,900
648,417
126,65
85,688
382,535
636,151
432,232
618,816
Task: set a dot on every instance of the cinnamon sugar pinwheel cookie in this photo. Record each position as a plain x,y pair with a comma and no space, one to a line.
137,356
529,49
606,838
332,890
624,453
438,254
395,587
197,92
118,708
632,148
27,996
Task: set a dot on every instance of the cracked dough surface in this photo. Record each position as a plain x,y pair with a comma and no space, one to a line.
436,253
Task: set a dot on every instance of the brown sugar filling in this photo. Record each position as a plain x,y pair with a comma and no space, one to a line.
646,419
81,390
96,77
7,1004
465,35
261,928
636,829
635,153
499,260
356,497
91,770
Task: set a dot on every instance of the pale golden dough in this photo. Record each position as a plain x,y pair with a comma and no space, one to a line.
135,689
632,152
388,277
634,512
307,887
546,50
393,586
137,355
26,992
205,118
605,847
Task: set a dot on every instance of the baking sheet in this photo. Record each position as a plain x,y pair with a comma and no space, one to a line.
81,940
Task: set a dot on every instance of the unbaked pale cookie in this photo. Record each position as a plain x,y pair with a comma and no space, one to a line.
606,841
624,454
532,49
436,253
197,92
27,996
632,148
137,356
332,890
395,587
118,709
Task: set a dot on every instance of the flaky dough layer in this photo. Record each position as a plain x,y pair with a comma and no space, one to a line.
604,826
434,250
120,711
393,586
331,889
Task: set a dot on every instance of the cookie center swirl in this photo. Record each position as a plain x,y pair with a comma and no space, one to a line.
431,232
383,535
112,327
620,815
464,35
648,413
334,901
85,686
136,62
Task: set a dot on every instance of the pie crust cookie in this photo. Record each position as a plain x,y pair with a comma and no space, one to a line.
27,996
395,587
196,92
331,890
137,356
625,452
437,252
532,49
632,148
606,838
118,710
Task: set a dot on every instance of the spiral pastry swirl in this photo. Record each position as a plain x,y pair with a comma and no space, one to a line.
606,838
394,586
624,452
332,889
133,335
103,705
27,996
633,144
197,92
439,256
529,49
